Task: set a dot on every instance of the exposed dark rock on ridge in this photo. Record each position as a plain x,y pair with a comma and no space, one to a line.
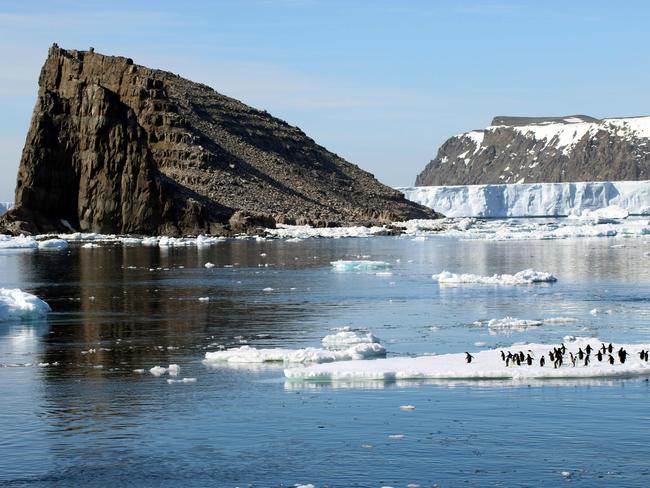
117,147
544,150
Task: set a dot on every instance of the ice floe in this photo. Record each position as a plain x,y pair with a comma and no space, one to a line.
172,370
171,381
17,304
19,242
53,244
346,337
512,323
525,277
359,265
248,354
486,364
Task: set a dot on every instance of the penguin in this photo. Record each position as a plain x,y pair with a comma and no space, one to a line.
611,359
588,349
573,358
522,357
646,356
587,360
529,360
581,354
518,360
551,356
503,356
563,348
642,355
560,360
468,357
622,355
603,347
599,355
610,348
542,361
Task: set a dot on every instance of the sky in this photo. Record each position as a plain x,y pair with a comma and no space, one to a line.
381,83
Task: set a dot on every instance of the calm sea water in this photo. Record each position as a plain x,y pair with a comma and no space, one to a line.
92,421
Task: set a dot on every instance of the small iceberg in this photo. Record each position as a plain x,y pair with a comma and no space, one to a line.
525,277
53,244
17,304
346,337
512,323
360,265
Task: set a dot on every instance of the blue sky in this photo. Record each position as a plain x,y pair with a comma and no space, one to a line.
380,83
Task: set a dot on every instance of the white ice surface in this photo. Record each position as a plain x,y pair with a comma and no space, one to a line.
532,199
346,337
247,354
360,265
20,242
486,364
525,277
17,304
53,244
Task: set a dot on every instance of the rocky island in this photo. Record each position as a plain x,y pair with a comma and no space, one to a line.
544,150
114,147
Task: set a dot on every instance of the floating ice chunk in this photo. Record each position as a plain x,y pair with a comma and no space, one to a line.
304,486
90,245
20,242
361,265
560,320
247,354
53,244
347,337
268,289
512,323
407,407
172,370
139,371
486,364
209,265
525,277
17,304
183,380
605,215
204,299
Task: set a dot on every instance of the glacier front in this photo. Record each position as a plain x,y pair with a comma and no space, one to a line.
532,199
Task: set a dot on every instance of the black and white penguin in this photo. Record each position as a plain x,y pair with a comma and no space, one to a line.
587,360
646,356
611,359
581,354
503,356
529,360
573,358
622,355
610,348
588,349
563,348
468,357
542,361
599,355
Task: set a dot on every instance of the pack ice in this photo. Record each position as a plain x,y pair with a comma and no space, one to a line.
525,277
17,304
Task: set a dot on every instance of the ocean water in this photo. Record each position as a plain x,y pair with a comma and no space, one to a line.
92,421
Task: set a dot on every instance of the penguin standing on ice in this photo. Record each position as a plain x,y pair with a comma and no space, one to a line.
599,355
542,361
588,349
610,348
603,347
646,356
642,355
611,359
581,354
563,348
529,360
551,356
622,355
468,357
503,356
573,359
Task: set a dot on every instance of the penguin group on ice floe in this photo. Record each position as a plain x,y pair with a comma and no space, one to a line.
556,356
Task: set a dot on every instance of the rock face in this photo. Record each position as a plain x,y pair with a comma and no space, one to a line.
544,150
120,148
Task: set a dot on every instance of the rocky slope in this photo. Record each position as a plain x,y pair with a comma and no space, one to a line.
544,149
117,147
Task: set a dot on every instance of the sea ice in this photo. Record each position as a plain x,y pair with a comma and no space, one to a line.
53,244
209,265
487,364
172,370
361,265
183,380
247,354
346,337
512,323
17,304
19,242
525,277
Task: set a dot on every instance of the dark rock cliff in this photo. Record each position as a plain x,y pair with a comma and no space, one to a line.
116,147
544,150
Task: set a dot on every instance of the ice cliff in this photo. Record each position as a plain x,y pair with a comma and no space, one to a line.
533,200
